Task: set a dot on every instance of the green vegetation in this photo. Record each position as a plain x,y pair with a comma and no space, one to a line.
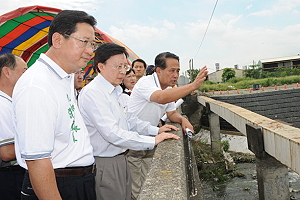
228,74
255,75
243,83
192,74
211,166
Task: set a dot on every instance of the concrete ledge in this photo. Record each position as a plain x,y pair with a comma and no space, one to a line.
281,141
167,178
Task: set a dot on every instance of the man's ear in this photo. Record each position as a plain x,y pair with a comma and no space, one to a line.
57,40
158,70
5,72
100,66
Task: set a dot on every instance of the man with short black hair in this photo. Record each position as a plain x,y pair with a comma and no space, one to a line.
11,68
52,142
152,96
112,129
139,67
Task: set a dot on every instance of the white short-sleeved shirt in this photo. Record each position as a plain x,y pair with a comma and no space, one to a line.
6,122
48,121
140,104
112,129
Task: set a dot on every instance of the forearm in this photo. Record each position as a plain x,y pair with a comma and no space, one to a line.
42,179
172,94
7,152
175,117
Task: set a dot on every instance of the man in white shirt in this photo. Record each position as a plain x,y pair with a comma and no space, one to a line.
78,78
151,97
139,66
11,68
112,129
52,142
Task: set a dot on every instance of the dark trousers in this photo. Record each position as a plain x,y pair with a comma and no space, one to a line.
11,184
70,188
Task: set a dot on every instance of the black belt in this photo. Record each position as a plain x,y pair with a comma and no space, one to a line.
74,171
12,168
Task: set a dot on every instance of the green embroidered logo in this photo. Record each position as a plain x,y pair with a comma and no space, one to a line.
74,128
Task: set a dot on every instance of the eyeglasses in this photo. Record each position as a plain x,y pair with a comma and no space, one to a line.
80,72
85,43
120,68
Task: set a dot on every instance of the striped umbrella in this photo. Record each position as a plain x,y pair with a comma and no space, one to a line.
24,32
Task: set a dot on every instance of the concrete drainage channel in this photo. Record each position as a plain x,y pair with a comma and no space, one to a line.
243,187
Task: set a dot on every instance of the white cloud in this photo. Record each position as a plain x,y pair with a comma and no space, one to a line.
249,6
279,7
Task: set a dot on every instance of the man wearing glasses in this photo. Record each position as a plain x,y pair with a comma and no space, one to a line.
112,129
52,142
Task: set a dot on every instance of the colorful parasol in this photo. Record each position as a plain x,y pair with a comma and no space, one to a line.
24,32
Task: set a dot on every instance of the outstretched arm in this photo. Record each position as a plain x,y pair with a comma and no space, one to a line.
173,94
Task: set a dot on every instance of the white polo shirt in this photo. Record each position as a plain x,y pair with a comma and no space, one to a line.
6,122
140,104
48,121
112,129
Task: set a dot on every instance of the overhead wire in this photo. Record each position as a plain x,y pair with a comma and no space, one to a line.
207,27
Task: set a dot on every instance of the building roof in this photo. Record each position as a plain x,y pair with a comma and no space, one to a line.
279,59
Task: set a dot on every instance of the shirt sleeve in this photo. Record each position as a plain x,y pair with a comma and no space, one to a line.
100,109
142,127
144,89
35,120
6,124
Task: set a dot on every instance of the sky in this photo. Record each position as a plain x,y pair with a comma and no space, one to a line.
241,32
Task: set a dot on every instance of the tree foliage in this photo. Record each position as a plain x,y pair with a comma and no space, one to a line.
227,74
192,74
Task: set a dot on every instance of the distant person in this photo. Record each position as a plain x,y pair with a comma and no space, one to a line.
88,79
129,81
112,129
52,141
139,67
151,97
150,70
11,174
78,78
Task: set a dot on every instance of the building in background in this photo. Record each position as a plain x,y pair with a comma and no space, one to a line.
272,63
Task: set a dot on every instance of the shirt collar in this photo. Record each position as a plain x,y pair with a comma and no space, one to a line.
156,80
108,86
5,96
53,66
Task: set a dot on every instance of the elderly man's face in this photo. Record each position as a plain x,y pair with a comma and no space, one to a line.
113,70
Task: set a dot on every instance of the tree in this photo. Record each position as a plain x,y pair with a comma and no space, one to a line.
192,74
227,74
253,73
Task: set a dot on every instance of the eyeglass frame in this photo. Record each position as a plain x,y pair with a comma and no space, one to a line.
80,72
93,44
120,68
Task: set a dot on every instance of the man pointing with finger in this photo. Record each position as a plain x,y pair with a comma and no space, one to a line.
151,97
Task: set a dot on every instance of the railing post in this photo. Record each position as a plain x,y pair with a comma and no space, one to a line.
272,176
214,126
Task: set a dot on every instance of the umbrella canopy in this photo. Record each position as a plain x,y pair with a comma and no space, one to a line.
24,32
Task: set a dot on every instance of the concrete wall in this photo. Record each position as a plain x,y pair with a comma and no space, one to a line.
173,173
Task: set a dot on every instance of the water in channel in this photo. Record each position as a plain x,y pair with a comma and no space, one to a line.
240,188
